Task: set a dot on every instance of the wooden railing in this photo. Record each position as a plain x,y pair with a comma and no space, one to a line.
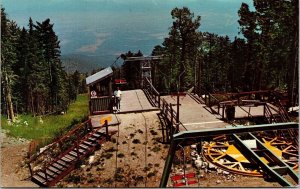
282,112
58,146
75,147
152,93
100,105
208,98
268,114
168,112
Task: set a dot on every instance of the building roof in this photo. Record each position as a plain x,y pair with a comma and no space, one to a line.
142,58
103,74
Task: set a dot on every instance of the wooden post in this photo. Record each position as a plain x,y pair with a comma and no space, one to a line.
60,145
77,146
171,131
163,132
158,101
89,96
177,114
172,113
223,111
46,177
172,120
167,133
264,110
110,94
106,130
30,169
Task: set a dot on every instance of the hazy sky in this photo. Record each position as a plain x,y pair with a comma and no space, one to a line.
103,29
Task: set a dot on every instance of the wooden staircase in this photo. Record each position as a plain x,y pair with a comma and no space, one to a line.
55,168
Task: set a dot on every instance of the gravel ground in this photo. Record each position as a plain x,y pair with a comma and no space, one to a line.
14,173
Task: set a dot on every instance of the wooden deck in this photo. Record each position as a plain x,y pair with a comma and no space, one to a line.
133,101
95,120
250,111
195,116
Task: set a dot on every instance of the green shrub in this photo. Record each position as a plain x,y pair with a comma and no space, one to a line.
156,149
136,141
90,180
140,131
146,169
132,135
133,154
107,155
153,132
111,149
151,174
73,178
121,155
109,181
118,177
114,140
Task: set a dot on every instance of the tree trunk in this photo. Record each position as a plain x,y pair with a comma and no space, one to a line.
9,104
292,89
181,77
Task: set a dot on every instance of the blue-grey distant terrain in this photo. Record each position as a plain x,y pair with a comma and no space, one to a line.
95,32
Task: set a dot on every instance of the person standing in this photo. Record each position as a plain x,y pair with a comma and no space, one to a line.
118,95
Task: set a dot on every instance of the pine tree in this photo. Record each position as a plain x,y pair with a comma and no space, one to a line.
51,53
8,61
184,31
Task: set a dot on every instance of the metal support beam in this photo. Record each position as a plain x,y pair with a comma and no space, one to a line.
238,129
254,158
208,134
285,168
168,164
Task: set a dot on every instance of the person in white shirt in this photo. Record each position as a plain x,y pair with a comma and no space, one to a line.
118,94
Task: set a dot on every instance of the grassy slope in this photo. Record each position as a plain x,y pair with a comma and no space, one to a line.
50,126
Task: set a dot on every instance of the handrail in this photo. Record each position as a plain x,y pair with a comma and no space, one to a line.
100,97
34,157
206,93
249,115
244,93
269,112
154,94
76,145
283,112
153,88
170,113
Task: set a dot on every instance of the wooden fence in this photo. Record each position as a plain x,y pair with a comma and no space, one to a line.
101,105
152,94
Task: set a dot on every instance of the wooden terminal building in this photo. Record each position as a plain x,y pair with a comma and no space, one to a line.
100,91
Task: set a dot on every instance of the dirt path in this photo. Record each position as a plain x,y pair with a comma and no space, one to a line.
135,158
13,171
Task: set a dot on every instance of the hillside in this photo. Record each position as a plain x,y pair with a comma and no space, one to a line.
81,63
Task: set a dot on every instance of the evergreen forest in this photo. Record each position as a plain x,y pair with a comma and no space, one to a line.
33,79
263,57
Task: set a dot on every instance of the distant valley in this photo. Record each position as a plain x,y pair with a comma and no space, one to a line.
82,63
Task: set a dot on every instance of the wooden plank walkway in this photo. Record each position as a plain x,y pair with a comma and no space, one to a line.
249,111
95,120
195,116
134,101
